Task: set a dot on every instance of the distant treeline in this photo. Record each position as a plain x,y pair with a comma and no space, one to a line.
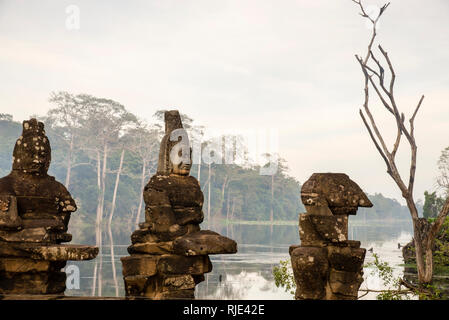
106,155
80,148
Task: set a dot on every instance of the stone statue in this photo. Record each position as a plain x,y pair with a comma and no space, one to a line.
169,253
328,266
35,211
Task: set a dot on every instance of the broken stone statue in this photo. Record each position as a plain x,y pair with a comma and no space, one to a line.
169,252
34,214
328,266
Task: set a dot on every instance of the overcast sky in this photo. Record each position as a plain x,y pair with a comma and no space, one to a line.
287,65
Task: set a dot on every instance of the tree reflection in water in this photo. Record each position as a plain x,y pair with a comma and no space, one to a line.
247,274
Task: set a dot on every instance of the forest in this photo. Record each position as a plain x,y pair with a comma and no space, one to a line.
105,155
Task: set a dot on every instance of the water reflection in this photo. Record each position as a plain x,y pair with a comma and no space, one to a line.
245,275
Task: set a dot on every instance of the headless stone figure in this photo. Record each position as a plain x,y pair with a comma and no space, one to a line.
169,253
328,266
34,214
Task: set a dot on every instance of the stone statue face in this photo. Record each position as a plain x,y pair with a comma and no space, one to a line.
182,168
180,154
32,153
175,154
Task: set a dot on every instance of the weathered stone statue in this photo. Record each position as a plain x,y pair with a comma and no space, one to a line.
328,266
34,215
169,253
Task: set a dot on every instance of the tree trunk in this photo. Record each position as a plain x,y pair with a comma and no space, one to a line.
199,168
142,185
114,272
100,266
208,199
428,276
103,191
69,164
103,178
97,223
94,279
272,200
227,206
117,180
223,200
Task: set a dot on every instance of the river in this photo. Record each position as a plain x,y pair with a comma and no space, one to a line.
247,274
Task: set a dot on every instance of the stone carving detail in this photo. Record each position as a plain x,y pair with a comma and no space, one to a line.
169,252
328,266
35,211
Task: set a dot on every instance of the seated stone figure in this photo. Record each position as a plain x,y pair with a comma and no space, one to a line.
41,205
327,265
169,253
34,214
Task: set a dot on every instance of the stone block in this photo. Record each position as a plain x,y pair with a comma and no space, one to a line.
204,242
193,215
176,264
184,282
135,285
345,283
152,248
32,283
50,252
139,264
346,258
310,268
318,228
9,216
24,265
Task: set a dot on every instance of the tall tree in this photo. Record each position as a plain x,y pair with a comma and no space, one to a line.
374,78
66,120
143,141
105,122
443,166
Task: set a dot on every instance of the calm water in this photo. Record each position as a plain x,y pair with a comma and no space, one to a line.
247,274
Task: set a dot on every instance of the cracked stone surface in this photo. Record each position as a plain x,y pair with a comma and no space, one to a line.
35,211
169,254
327,265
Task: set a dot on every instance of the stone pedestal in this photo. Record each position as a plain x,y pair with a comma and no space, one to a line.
35,211
328,266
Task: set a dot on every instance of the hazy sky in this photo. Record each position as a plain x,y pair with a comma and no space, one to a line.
287,65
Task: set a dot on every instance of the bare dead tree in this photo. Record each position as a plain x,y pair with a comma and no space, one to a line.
374,78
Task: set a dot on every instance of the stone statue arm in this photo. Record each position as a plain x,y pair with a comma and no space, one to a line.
9,215
66,204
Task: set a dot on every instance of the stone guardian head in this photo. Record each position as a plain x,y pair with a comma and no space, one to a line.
175,155
32,152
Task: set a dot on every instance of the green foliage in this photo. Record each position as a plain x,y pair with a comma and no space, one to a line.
5,116
432,204
385,272
283,276
395,285
79,126
443,166
9,132
383,209
441,252
237,193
